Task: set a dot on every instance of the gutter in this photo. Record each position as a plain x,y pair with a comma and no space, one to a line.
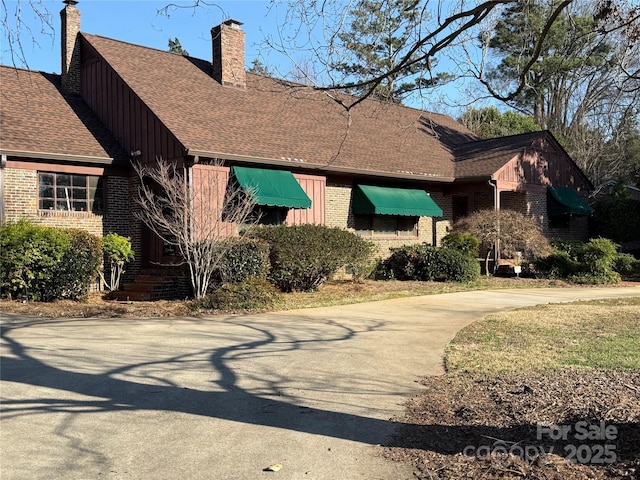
55,156
298,163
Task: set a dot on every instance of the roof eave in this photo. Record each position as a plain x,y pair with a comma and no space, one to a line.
327,168
58,156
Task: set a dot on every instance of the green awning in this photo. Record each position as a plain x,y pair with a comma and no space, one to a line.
563,201
368,199
272,187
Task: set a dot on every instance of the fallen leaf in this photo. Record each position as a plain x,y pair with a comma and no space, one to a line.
273,468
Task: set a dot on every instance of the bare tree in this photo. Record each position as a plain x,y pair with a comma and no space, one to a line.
505,233
196,216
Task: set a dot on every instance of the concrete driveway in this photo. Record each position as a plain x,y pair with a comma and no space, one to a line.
225,397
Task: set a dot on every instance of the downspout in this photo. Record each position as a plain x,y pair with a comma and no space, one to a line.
496,207
3,164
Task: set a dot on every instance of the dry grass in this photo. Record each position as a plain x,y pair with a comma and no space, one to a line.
598,334
346,292
333,293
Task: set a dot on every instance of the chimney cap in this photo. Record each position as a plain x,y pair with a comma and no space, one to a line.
231,22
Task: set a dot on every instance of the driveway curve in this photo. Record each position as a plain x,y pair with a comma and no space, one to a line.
226,397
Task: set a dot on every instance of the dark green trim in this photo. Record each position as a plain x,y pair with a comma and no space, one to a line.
563,201
276,188
372,200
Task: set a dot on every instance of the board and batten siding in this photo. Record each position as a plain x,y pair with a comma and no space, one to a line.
128,119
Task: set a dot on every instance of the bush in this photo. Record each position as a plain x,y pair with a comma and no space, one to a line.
245,258
464,242
79,266
29,257
626,265
573,248
304,257
598,257
118,251
46,263
591,263
426,263
251,294
557,265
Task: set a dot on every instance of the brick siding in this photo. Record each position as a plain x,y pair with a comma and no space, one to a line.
536,206
339,214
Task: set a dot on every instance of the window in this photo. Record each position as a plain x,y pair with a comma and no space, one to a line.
267,215
559,221
392,225
71,193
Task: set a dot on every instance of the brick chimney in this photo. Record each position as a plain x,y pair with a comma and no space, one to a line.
70,18
228,54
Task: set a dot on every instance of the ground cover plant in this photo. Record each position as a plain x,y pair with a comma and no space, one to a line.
513,377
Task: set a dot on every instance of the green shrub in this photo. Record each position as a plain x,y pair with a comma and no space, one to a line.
251,294
626,265
591,263
573,248
427,263
118,251
559,264
464,242
304,257
598,257
46,263
457,266
29,258
244,258
78,267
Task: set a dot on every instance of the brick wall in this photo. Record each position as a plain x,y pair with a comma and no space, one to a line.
536,206
21,201
339,214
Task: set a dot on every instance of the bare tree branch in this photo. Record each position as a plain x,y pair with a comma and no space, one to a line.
195,215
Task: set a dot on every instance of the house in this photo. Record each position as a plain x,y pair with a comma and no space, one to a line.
394,174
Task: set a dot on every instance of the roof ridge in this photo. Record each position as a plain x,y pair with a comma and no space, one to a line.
276,79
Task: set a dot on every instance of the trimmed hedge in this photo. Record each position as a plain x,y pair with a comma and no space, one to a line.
46,263
251,294
427,263
303,257
244,258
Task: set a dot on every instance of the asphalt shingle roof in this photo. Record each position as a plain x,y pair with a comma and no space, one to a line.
36,117
273,119
482,158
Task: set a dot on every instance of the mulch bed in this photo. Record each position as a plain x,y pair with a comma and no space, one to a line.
504,427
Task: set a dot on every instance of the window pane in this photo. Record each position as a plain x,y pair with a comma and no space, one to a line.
63,193
45,191
46,179
95,182
79,180
63,180
79,206
79,193
46,205
63,205
406,226
385,224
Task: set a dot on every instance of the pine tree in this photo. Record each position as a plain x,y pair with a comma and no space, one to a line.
175,47
380,35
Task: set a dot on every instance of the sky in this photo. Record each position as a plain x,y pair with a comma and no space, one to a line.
140,22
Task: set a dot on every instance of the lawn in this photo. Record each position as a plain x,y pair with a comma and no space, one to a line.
597,334
513,373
